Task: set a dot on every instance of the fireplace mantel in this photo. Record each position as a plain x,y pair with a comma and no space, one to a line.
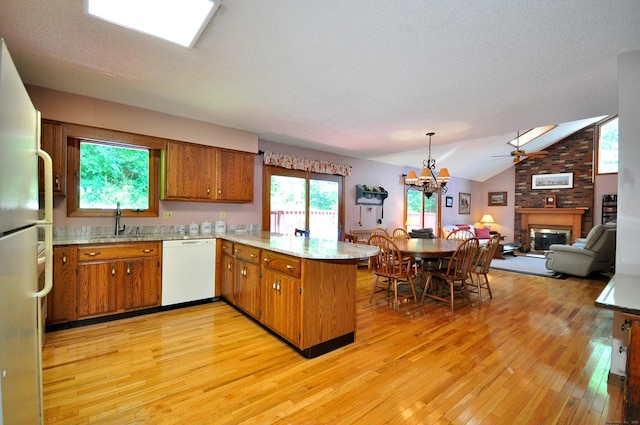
553,218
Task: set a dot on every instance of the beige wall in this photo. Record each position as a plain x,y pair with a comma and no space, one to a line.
67,107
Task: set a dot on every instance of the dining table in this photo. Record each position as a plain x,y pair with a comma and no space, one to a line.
427,248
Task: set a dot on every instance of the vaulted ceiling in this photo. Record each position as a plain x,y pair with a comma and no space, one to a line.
361,78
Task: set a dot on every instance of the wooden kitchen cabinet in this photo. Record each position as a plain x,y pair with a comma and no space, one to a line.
63,298
307,302
188,172
247,279
54,142
632,381
281,296
113,278
198,173
227,272
141,283
234,176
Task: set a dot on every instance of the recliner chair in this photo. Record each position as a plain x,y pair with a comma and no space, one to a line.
596,252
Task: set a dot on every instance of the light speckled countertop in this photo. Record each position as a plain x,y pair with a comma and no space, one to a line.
621,293
311,248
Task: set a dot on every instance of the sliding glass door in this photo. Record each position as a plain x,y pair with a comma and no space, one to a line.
296,199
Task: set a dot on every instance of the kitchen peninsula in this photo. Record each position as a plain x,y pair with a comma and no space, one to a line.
301,289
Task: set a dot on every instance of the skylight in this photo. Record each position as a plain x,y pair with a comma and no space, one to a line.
179,21
530,135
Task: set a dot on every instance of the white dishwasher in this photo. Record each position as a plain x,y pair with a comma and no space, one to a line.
188,270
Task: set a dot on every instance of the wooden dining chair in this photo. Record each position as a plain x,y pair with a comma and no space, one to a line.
380,231
481,267
454,276
388,267
461,234
400,233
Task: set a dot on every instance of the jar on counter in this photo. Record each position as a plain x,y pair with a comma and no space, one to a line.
205,228
194,228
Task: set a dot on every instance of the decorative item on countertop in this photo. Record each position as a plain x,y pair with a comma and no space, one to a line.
220,226
182,229
205,227
194,228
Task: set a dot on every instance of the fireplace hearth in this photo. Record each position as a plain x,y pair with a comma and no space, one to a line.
542,239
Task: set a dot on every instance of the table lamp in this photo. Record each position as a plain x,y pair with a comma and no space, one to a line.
487,220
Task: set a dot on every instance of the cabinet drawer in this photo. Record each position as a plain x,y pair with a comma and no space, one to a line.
227,247
282,263
247,253
117,251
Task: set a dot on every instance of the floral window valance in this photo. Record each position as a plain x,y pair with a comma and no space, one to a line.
296,163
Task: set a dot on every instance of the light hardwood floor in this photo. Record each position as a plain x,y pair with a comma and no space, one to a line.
537,353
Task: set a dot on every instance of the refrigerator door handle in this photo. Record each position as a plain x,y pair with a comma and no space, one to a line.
47,223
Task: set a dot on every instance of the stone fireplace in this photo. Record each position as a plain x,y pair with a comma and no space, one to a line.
548,224
542,239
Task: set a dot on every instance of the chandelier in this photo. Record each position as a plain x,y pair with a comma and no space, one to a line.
427,181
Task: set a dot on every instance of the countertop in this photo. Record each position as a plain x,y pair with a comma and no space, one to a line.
311,248
621,293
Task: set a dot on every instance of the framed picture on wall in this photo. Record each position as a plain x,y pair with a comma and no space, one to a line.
464,203
497,199
552,181
448,201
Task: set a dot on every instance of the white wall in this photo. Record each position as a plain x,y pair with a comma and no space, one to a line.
628,234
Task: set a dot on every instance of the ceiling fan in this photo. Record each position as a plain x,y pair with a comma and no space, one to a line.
519,154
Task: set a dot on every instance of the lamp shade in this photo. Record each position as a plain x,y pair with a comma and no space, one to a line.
411,178
444,175
487,219
425,174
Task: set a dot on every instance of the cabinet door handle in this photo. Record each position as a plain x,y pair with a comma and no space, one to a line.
267,260
253,256
229,266
92,254
64,259
208,190
290,267
236,251
113,271
57,179
219,191
128,270
146,251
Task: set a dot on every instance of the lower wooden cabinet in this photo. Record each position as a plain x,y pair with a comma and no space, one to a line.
63,298
308,303
227,271
281,305
104,279
247,279
632,381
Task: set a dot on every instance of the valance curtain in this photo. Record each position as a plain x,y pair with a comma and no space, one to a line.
296,163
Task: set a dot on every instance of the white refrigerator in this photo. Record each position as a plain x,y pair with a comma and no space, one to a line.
20,297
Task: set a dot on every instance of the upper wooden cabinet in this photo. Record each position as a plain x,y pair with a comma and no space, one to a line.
199,173
234,176
54,143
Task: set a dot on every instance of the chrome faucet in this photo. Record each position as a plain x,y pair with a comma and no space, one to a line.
119,230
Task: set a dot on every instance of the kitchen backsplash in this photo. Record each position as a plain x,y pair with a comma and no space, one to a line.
141,230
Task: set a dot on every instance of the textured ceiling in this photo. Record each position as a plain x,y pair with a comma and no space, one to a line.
364,78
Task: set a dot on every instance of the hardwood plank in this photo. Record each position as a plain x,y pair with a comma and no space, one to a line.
538,352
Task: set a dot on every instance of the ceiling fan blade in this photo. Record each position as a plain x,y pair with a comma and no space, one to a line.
538,153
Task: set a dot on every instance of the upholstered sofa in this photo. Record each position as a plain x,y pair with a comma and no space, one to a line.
596,252
482,233
426,233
